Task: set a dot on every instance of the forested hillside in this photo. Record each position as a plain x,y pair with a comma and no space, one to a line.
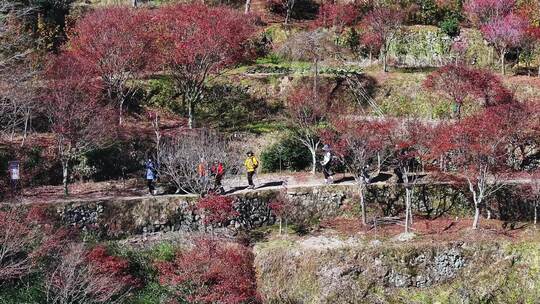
163,151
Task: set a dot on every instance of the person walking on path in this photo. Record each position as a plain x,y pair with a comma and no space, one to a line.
218,172
326,163
251,164
201,169
150,175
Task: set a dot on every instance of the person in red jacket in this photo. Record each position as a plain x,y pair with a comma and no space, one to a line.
218,172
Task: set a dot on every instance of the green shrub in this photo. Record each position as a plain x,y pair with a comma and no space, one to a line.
24,291
152,293
163,252
287,154
450,26
123,159
160,92
271,58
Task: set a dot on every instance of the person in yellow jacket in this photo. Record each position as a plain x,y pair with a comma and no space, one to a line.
251,164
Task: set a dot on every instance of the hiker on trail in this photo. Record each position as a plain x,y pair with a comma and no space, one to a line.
251,164
365,174
218,172
201,169
326,163
150,175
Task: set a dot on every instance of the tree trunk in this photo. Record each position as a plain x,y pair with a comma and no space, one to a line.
313,159
476,214
190,114
121,113
503,68
316,80
407,209
363,205
288,13
457,112
411,217
65,177
535,213
379,163
248,7
134,3
26,123
385,68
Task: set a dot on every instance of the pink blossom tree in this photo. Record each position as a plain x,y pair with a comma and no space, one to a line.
382,23
337,16
481,12
505,33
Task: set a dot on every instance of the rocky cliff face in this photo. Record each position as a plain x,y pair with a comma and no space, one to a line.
323,270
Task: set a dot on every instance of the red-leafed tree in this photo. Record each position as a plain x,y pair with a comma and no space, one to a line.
212,272
216,210
78,121
197,41
505,33
490,90
116,45
411,147
530,47
307,113
358,144
459,50
382,23
337,16
526,138
89,276
454,82
372,43
462,84
477,147
25,238
282,208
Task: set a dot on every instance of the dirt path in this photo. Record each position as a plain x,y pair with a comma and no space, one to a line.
136,188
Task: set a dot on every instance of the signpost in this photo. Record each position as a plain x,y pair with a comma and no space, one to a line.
14,175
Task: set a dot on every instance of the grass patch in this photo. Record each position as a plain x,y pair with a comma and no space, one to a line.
264,127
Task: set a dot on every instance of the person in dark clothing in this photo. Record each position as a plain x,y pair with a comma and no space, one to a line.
218,172
150,175
326,164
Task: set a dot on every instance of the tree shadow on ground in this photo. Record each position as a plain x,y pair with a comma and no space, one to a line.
230,108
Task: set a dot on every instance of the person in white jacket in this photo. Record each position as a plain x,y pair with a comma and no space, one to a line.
326,163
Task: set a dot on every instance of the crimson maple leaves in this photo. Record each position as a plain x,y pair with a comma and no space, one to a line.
191,42
213,271
197,41
462,84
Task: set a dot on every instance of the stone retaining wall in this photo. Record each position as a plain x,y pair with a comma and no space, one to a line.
120,217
